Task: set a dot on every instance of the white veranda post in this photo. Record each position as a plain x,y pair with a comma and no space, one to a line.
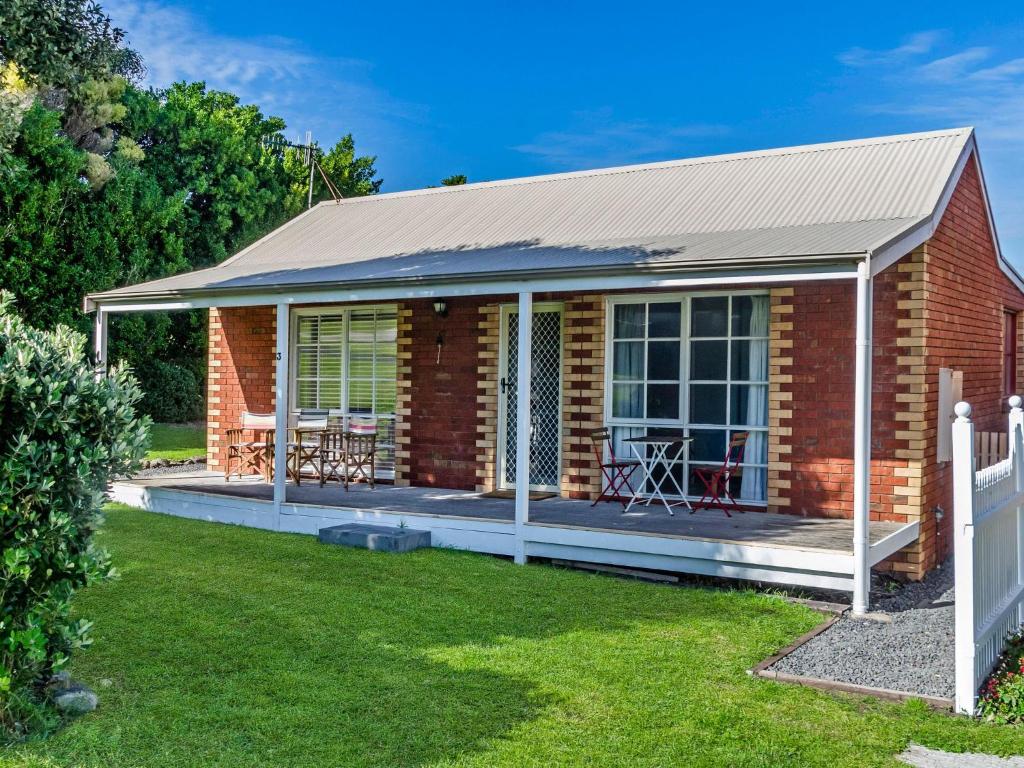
281,409
100,342
523,375
862,442
963,563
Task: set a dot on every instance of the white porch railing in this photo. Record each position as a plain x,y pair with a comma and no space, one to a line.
988,539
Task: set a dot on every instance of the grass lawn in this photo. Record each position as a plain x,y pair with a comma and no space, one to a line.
235,647
177,441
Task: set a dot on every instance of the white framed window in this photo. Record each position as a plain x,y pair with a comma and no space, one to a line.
346,359
696,363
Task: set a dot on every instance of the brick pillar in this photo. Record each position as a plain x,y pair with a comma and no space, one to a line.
915,432
403,396
582,394
780,398
489,326
241,371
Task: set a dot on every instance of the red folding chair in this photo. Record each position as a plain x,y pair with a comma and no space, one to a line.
616,471
716,479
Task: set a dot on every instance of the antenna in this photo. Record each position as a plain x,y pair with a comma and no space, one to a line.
277,144
311,162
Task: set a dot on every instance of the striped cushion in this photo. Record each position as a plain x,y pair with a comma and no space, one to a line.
359,426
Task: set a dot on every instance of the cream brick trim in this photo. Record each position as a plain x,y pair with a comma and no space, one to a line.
913,372
913,419
489,326
780,412
583,362
214,343
403,398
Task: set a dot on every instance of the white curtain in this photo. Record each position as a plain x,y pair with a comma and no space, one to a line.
754,482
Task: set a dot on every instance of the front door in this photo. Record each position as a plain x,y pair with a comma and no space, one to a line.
545,398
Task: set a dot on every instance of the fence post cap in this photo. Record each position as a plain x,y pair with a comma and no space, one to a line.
1015,401
962,411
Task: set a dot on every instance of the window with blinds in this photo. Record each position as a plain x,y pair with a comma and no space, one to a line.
347,360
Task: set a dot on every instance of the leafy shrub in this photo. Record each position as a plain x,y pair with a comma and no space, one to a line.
173,393
1002,697
63,434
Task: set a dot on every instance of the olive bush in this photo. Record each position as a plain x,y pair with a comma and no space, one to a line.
64,432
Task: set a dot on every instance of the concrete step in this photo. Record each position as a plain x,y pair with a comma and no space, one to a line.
380,538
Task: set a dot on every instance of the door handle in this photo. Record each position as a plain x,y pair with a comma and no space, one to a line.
504,385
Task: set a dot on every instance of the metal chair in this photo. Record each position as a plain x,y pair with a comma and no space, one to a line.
248,453
716,479
617,472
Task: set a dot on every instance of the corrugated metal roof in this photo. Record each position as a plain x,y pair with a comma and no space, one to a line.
815,200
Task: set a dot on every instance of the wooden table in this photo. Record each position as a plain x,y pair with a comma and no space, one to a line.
659,445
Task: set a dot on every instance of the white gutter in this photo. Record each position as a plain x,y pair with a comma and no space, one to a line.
538,284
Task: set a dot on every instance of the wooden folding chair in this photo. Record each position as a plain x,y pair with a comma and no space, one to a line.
716,479
305,451
361,450
245,451
617,472
333,458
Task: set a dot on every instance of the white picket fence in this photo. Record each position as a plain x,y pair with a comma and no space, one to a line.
988,539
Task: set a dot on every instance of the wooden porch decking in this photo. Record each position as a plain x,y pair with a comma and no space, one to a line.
750,529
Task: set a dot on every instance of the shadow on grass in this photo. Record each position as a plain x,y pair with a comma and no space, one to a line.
231,646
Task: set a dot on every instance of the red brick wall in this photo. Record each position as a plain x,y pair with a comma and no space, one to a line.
940,307
241,371
443,413
966,296
822,387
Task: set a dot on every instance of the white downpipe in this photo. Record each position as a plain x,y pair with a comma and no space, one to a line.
281,412
523,375
862,443
99,341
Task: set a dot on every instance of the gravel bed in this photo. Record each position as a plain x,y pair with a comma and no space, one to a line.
912,652
180,469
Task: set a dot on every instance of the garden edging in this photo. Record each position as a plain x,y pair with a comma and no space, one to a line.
763,670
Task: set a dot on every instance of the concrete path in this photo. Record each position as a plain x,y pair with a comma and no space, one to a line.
922,757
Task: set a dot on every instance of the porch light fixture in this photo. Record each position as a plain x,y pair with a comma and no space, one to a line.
441,308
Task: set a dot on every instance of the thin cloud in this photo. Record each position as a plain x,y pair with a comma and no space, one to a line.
916,44
981,86
277,73
1008,70
954,66
597,139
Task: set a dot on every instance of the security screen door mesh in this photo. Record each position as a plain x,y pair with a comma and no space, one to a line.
545,395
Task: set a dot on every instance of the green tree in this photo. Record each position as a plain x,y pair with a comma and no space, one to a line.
59,43
60,48
455,180
208,146
116,185
352,175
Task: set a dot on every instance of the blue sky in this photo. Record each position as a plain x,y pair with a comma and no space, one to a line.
495,90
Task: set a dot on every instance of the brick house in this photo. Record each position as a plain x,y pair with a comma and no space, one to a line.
828,300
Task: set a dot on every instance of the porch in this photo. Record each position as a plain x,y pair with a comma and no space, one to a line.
776,548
